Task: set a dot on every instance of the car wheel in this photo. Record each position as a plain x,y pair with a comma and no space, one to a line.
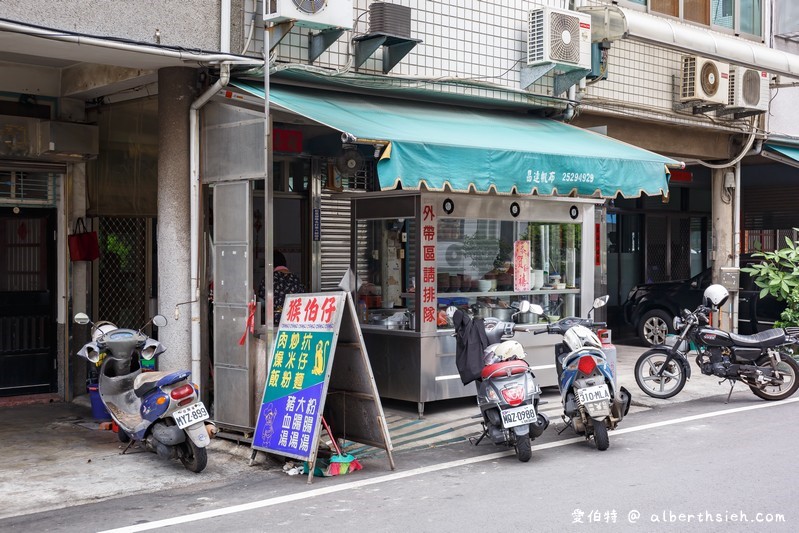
654,326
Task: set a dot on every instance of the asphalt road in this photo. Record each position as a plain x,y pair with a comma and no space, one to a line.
696,466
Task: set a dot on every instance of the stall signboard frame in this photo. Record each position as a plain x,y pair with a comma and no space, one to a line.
319,360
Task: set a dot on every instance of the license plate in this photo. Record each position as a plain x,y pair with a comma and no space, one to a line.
192,414
599,393
518,416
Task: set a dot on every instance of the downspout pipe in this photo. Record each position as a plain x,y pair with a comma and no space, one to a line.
224,30
736,245
194,214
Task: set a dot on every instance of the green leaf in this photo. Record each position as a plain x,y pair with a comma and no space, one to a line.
763,293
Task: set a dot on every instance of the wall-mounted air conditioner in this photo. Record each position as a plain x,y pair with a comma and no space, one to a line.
560,37
314,14
704,80
749,90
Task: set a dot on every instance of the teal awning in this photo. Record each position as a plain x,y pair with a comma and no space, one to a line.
788,155
472,149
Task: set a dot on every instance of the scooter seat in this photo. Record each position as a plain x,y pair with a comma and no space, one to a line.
508,368
146,382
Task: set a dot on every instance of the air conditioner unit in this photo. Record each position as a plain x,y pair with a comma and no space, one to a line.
314,14
749,89
560,37
704,80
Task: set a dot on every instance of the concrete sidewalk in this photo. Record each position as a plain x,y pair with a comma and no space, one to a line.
56,455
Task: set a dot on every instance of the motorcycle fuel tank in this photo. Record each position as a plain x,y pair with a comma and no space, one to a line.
715,337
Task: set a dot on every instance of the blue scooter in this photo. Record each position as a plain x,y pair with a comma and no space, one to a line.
159,409
593,402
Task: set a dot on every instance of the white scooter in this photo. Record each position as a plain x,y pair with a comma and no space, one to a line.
159,409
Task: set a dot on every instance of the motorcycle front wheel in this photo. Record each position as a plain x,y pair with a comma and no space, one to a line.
601,438
788,369
663,386
193,457
524,449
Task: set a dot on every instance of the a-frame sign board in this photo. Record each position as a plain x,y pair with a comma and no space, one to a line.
319,365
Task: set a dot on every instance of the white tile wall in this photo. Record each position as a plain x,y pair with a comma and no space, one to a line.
466,42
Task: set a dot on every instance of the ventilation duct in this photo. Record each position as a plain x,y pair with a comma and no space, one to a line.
389,19
22,137
614,23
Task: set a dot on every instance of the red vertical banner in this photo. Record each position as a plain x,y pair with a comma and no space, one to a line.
521,266
597,245
426,292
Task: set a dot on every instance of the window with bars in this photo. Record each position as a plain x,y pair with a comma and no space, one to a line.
27,188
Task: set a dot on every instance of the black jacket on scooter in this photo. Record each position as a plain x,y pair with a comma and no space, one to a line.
470,342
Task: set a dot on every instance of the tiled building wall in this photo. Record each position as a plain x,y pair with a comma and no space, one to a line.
478,46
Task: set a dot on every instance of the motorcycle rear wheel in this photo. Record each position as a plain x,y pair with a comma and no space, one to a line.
664,386
524,449
789,369
601,438
193,457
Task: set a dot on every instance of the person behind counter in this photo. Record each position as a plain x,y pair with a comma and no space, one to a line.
284,282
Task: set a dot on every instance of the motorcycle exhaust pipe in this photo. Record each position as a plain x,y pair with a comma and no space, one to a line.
540,425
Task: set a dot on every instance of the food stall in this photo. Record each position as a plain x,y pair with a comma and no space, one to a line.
417,252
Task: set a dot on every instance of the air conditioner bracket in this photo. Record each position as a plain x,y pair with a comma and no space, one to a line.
321,41
563,81
697,106
277,32
394,48
528,75
738,112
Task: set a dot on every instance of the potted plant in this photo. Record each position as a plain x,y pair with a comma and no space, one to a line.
778,274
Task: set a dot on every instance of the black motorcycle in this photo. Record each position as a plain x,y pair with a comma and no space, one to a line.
762,361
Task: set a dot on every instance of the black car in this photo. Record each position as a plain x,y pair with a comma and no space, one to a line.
651,307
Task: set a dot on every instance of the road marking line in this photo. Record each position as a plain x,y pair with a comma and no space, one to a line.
417,471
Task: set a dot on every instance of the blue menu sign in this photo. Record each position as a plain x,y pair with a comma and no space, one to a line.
297,380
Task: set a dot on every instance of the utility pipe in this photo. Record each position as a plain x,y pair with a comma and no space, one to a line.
736,244
194,214
224,30
141,48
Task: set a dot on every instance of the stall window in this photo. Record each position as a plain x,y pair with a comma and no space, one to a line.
386,262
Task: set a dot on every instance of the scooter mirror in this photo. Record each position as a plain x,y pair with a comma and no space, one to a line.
524,306
82,319
537,309
601,301
159,320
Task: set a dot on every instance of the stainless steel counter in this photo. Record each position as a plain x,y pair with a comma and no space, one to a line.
420,367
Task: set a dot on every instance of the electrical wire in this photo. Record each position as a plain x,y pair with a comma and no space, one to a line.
744,151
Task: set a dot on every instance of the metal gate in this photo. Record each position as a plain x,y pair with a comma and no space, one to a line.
233,272
27,302
124,279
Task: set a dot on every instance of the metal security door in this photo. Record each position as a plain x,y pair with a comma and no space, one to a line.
233,272
27,302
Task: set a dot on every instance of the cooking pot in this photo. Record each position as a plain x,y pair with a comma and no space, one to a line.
481,311
526,318
502,313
